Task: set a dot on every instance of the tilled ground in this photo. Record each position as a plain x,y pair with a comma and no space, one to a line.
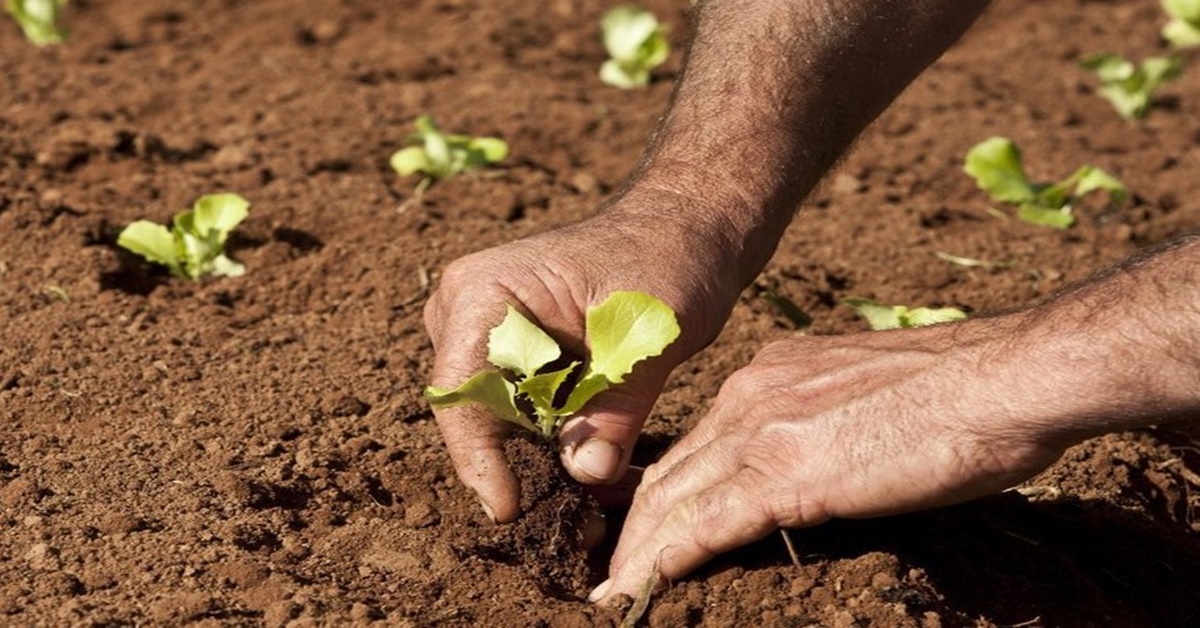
255,450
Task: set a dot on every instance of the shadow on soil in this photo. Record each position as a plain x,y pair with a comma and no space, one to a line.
1066,562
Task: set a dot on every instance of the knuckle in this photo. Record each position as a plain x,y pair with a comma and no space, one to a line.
743,383
649,491
719,522
433,312
776,465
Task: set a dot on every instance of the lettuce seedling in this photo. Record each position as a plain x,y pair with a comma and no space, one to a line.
636,43
1128,86
1183,31
440,155
528,390
881,317
995,164
39,19
195,245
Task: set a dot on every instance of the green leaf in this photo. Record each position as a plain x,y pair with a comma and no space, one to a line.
439,155
1094,179
195,245
654,51
1183,31
224,267
486,388
1160,70
518,345
426,126
1128,87
626,29
202,232
612,72
437,151
153,242
625,329
542,388
39,20
588,387
1181,34
1109,67
922,316
878,316
486,150
635,43
1058,195
1058,218
995,164
1186,10
219,214
882,317
410,160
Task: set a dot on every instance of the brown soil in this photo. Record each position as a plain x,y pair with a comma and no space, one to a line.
255,450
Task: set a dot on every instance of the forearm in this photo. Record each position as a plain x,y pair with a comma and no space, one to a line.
772,93
1119,351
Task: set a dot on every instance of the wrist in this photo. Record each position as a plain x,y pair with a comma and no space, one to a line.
1083,373
739,227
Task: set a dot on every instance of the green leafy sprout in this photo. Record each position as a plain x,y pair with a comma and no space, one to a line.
195,245
881,317
995,164
529,389
440,155
39,19
636,43
1128,86
1183,31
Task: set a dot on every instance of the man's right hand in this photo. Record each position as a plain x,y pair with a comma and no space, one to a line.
553,278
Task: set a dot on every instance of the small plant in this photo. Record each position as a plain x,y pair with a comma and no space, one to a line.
528,389
39,19
1183,31
881,317
195,245
440,155
636,43
1128,86
995,164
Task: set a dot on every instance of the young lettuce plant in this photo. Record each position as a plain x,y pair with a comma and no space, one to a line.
195,244
39,19
440,155
881,317
995,164
1183,31
625,329
636,43
1128,86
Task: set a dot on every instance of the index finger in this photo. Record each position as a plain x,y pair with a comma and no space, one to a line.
473,437
723,517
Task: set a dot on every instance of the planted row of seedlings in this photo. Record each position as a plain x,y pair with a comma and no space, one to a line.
618,331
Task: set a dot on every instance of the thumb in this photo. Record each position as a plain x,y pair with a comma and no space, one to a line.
597,444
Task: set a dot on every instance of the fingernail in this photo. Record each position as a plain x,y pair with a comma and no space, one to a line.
600,591
598,458
487,510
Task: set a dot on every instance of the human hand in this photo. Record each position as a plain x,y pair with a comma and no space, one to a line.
553,278
852,426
